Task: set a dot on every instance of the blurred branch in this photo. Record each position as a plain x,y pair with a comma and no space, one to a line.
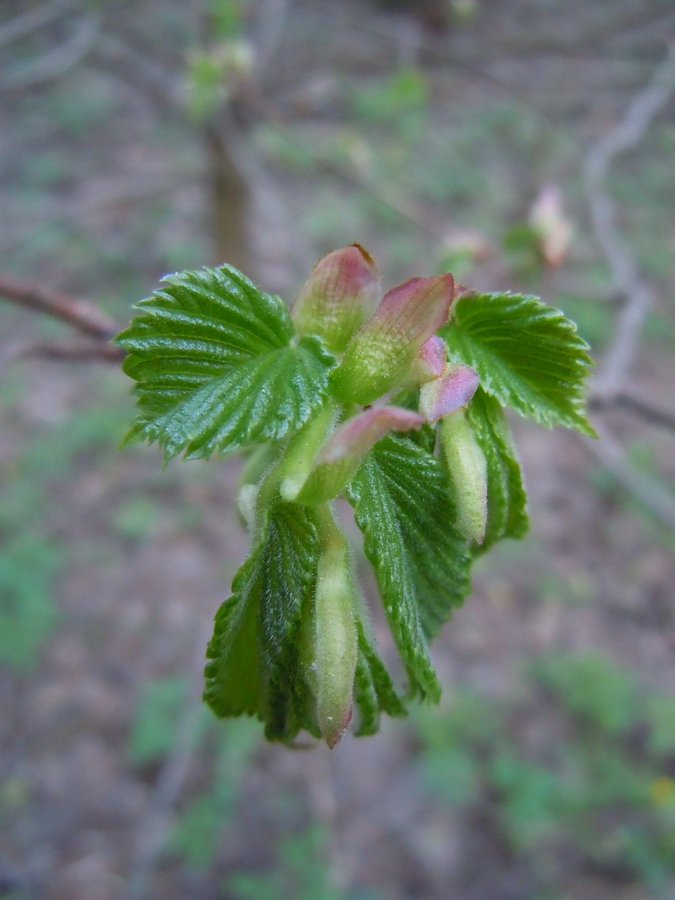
638,294
82,315
75,215
626,279
120,59
55,62
648,491
595,43
31,21
627,402
272,19
67,352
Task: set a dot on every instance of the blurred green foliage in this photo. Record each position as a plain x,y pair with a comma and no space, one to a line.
399,102
159,710
32,553
137,518
302,873
28,614
578,759
164,716
197,835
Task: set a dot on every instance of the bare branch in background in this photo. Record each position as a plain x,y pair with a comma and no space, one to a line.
82,315
647,490
625,276
627,282
70,352
31,21
640,408
272,20
78,215
140,71
56,62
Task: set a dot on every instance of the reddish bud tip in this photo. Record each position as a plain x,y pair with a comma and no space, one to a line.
338,459
339,295
433,355
383,353
357,436
430,363
415,310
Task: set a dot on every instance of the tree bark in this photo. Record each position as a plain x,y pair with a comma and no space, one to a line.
228,203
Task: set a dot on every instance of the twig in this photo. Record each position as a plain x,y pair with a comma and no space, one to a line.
31,21
82,315
57,61
272,20
119,58
649,491
76,216
639,295
98,352
629,403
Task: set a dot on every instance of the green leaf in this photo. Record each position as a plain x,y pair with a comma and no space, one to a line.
373,688
289,565
234,678
256,665
214,368
506,498
402,504
528,355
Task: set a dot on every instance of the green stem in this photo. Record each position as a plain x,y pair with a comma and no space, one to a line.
296,463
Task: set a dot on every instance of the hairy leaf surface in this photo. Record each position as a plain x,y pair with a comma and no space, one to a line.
506,499
528,355
374,691
214,367
402,504
255,651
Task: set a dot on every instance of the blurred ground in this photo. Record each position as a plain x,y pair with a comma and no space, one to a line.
426,132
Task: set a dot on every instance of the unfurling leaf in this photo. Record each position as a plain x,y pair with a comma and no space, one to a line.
467,468
402,504
339,458
374,691
383,352
256,664
506,499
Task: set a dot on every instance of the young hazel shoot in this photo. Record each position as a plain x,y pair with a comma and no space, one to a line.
399,406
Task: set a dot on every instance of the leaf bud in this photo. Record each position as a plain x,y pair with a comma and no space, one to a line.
336,640
467,468
337,298
383,353
338,459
